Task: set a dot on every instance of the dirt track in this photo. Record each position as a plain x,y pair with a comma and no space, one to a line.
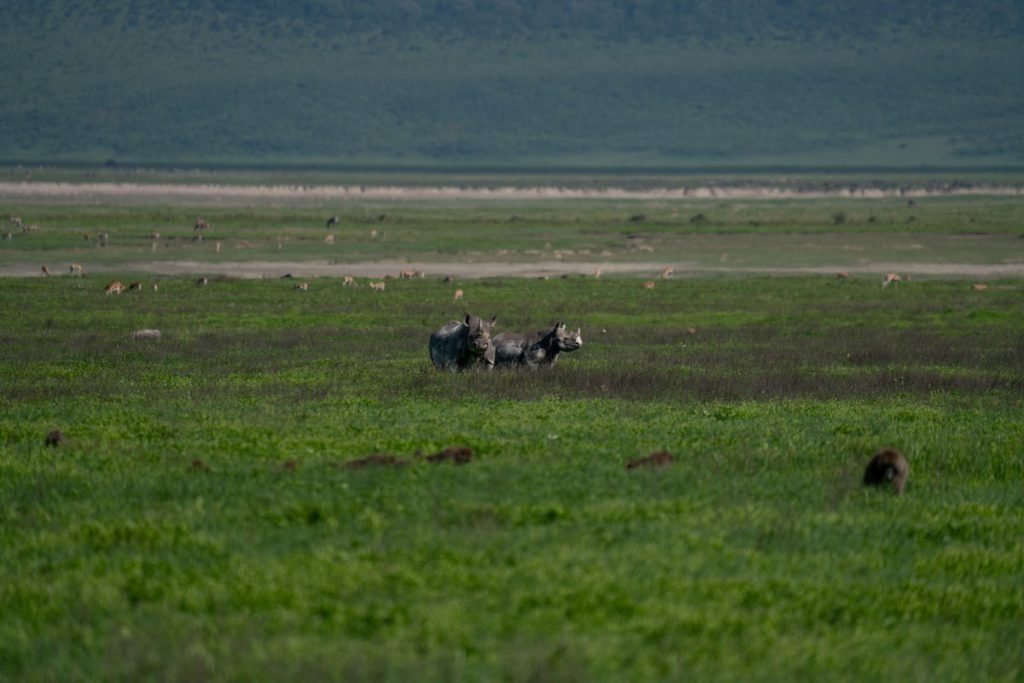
473,270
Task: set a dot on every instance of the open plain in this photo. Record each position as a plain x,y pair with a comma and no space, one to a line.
198,521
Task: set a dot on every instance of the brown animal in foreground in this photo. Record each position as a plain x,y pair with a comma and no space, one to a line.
460,455
655,459
378,286
55,438
887,466
375,460
115,287
458,295
891,277
76,269
649,284
349,281
46,271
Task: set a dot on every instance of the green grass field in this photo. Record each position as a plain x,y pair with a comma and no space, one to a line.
757,555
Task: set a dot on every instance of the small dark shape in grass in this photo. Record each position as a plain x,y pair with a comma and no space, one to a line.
457,454
698,218
290,465
655,459
887,467
287,276
198,464
839,217
55,438
638,218
375,460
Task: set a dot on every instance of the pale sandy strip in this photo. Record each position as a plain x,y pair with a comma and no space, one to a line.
172,192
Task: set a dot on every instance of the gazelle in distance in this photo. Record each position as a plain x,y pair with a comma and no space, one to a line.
115,287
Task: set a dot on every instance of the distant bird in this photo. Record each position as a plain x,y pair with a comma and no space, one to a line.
887,467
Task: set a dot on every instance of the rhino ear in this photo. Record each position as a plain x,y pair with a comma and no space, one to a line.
494,319
467,318
560,326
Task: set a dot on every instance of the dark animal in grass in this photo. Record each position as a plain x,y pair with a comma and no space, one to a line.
655,459
198,464
55,438
376,460
887,467
463,344
333,220
289,465
539,349
460,455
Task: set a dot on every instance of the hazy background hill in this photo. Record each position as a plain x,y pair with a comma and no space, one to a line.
504,83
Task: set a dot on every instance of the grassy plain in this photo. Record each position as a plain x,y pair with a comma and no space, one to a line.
756,556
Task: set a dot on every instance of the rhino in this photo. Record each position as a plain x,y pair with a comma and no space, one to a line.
462,344
539,349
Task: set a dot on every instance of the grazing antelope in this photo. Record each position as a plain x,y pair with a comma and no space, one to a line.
887,466
156,287
29,228
667,272
378,286
649,284
597,273
448,279
410,274
201,224
135,285
458,295
103,239
304,286
329,239
46,271
154,236
349,281
15,221
655,459
115,287
979,286
891,277
217,248
87,237
332,221
203,281
76,269
843,276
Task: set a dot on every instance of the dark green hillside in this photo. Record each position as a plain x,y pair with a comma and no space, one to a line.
604,83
